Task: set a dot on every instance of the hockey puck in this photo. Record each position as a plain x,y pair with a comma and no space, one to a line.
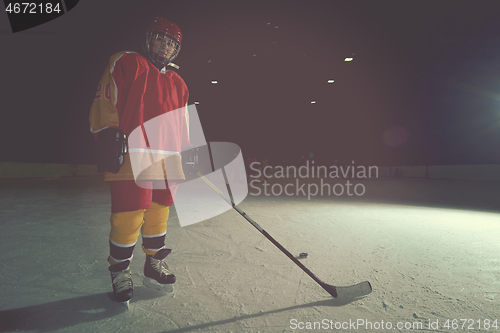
302,255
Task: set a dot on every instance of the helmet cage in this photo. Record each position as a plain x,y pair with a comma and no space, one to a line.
162,47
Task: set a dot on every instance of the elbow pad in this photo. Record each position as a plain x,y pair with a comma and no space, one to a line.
112,149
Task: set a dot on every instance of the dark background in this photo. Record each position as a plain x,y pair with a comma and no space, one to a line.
428,68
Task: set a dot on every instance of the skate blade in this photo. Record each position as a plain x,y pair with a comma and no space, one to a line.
126,304
153,284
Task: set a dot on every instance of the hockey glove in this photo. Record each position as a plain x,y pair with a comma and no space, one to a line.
112,149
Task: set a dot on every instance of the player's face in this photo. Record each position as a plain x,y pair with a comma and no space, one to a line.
163,46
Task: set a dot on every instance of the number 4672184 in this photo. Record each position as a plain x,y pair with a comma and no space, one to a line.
32,8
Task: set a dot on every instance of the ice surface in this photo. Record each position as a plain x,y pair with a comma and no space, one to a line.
430,249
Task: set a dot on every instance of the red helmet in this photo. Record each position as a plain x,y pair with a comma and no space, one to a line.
163,41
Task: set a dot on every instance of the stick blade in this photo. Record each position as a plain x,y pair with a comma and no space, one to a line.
354,291
348,292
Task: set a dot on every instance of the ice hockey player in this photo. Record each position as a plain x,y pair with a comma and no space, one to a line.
134,89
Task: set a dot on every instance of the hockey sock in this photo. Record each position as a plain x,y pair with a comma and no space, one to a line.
125,228
154,228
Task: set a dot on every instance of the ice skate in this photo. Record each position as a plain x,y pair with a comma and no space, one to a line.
121,277
156,273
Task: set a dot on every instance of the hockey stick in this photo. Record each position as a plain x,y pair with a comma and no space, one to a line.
357,290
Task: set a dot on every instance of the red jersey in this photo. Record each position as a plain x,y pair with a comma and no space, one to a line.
131,92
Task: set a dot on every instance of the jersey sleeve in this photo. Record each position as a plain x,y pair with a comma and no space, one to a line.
112,90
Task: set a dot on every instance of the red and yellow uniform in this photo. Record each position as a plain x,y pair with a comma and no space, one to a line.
131,92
